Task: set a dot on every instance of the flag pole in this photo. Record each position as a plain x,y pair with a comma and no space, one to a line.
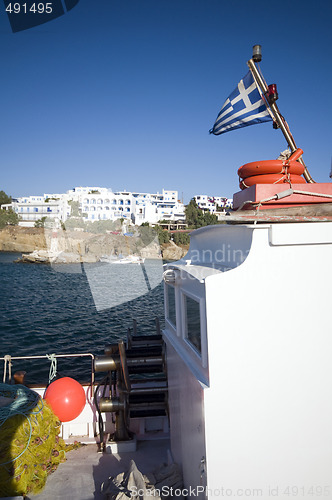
279,120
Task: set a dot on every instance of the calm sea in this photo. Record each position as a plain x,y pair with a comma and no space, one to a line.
46,310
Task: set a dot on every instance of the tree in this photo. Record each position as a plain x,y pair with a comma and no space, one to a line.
40,222
4,198
75,208
8,217
163,235
195,217
181,238
210,219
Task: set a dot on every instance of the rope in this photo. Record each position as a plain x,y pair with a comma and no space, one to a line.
282,178
53,367
7,359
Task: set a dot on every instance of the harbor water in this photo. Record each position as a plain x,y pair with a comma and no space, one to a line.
48,309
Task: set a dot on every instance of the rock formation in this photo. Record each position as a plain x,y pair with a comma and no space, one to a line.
40,245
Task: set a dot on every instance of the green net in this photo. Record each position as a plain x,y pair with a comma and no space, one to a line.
30,446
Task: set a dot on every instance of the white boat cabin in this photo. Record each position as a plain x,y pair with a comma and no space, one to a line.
249,344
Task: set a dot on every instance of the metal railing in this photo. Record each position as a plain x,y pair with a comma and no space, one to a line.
8,359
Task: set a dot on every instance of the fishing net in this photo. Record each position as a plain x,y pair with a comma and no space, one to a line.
30,447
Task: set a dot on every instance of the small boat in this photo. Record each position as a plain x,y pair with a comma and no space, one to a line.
129,259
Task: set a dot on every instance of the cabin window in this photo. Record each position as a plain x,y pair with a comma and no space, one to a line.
171,312
193,323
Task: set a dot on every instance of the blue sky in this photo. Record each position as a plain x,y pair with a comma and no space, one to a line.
122,94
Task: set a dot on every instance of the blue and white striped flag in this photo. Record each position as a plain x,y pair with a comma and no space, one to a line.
243,107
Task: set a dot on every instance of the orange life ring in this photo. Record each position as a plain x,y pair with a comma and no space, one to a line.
271,179
270,167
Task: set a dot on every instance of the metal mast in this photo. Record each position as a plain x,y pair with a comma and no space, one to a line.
271,96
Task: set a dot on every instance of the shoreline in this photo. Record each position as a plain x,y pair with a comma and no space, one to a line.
38,246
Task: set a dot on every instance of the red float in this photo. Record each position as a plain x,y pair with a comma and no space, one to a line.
270,167
272,171
66,397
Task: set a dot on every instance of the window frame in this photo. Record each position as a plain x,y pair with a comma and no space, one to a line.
201,355
174,326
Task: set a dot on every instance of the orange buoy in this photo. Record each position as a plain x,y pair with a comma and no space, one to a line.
270,167
66,397
271,179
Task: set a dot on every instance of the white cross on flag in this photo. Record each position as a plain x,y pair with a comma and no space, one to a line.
243,107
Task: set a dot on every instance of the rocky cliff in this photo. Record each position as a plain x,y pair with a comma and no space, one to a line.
22,239
41,245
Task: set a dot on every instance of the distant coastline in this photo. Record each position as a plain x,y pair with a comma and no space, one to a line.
78,246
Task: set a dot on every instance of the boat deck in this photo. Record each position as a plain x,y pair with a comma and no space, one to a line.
81,476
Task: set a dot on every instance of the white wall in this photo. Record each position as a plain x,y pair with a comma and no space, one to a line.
267,411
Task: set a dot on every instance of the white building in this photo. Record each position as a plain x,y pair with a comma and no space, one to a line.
100,203
103,204
211,203
160,206
32,208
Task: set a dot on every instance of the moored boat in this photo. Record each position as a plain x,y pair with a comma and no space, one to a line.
129,259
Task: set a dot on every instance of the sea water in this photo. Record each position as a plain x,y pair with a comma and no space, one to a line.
73,309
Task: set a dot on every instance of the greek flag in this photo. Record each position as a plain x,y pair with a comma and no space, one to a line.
243,107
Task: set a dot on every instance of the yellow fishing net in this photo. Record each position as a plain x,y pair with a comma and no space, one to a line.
30,446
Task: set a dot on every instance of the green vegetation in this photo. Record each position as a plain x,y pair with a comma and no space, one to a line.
195,217
181,238
4,198
163,235
75,208
97,227
148,234
49,199
40,222
8,217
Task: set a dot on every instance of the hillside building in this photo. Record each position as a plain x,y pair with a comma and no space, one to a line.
213,204
99,203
